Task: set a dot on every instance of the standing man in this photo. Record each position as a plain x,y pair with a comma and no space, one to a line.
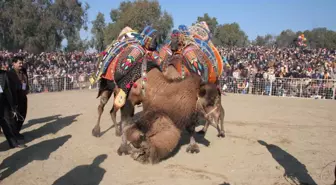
19,77
8,104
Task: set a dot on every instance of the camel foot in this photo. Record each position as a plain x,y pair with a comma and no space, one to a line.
96,131
124,149
140,155
201,132
221,134
193,148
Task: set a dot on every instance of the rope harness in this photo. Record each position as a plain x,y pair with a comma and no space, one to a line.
201,108
144,74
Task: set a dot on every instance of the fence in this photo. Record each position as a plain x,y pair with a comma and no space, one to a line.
58,84
285,87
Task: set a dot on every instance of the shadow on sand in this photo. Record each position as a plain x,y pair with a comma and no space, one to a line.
84,174
294,169
37,152
49,128
39,121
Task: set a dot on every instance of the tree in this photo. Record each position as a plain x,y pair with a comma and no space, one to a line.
267,40
286,38
98,27
321,38
40,25
137,15
230,35
259,41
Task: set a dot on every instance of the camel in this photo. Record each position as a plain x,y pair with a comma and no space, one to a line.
109,83
183,67
169,107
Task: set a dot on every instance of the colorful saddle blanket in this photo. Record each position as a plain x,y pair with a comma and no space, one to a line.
200,55
109,55
195,61
124,62
164,53
202,36
126,38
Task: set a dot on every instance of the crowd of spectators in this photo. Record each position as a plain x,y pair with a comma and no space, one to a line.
249,65
49,71
262,70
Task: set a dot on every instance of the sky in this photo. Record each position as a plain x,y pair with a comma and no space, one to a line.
255,17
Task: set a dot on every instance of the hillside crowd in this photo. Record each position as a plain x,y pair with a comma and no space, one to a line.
241,64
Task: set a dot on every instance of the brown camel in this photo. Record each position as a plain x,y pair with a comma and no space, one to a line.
122,67
153,137
122,77
213,111
172,69
177,99
121,83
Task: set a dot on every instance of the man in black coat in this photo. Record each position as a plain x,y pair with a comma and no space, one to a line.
8,104
19,76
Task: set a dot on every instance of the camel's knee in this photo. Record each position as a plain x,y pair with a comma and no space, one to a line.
100,109
104,100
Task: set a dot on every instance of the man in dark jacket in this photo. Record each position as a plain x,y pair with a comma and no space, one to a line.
8,104
18,75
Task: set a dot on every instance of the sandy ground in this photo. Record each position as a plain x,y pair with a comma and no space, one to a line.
269,140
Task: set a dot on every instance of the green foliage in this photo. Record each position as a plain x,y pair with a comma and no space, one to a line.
286,38
267,40
230,35
211,21
137,15
321,38
316,38
40,25
98,27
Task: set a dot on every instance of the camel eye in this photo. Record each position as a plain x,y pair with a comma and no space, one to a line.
202,92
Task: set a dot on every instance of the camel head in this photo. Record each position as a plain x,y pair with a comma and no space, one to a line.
208,94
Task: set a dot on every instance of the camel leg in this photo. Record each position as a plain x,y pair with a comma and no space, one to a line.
105,96
113,114
127,112
217,122
221,132
193,147
205,128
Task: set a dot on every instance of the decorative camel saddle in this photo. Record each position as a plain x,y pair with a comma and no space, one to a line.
199,53
122,61
127,38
